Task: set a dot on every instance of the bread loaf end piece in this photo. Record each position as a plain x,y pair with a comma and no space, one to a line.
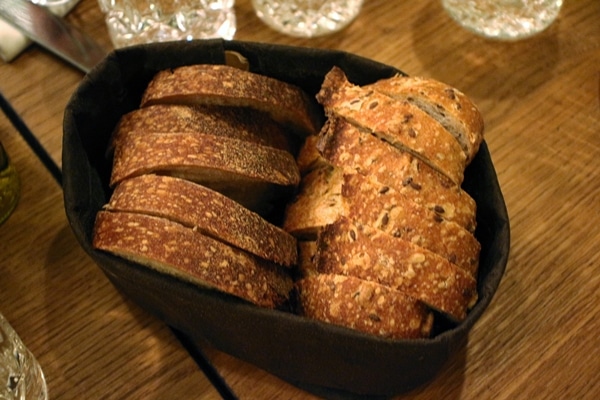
179,251
207,211
364,306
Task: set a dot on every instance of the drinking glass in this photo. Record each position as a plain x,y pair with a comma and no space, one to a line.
58,7
21,377
307,18
504,19
132,22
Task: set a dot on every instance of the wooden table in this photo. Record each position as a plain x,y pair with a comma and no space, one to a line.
539,337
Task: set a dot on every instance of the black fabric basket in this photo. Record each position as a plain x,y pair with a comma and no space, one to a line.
321,358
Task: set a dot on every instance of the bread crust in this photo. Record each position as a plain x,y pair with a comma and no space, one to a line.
399,123
206,211
246,172
238,123
179,251
309,158
363,306
346,147
448,105
382,207
318,203
229,86
352,249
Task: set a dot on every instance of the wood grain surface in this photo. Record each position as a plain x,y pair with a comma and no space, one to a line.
541,103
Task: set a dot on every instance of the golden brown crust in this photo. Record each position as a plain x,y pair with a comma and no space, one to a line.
364,306
399,123
318,203
382,207
246,172
230,86
179,251
309,157
238,123
448,105
351,249
356,152
207,211
307,250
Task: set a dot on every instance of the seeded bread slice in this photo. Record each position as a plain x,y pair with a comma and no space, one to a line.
448,105
234,122
229,86
364,306
248,173
206,211
346,147
179,251
380,206
352,249
399,123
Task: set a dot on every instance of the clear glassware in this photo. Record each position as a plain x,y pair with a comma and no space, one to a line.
307,18
21,377
504,19
58,7
132,22
9,186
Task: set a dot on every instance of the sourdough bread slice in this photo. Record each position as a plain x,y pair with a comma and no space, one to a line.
448,105
346,147
399,123
206,211
352,249
238,123
223,85
248,173
370,203
364,306
185,253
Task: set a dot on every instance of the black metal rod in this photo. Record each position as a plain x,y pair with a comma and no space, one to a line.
206,366
30,138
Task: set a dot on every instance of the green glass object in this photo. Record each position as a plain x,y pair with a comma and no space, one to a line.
9,186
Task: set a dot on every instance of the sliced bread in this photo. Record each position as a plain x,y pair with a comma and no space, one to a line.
206,211
364,306
399,123
352,249
238,123
346,147
318,203
309,157
448,105
380,206
249,173
224,85
185,253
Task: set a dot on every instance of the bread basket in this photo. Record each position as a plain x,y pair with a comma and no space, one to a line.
317,357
